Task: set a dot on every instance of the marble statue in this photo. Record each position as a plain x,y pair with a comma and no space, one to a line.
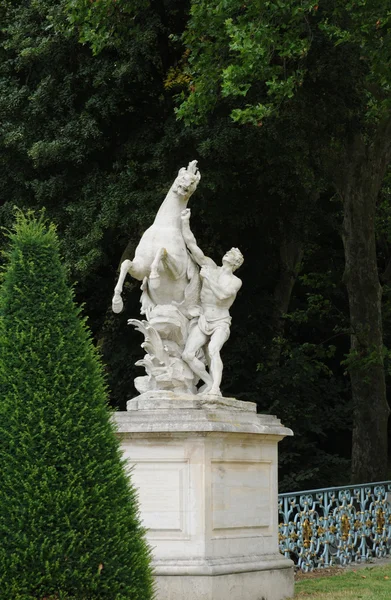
214,458
218,292
185,298
161,260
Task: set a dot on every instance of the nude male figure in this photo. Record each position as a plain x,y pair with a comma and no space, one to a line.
218,292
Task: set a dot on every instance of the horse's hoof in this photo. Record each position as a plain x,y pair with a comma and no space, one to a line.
117,305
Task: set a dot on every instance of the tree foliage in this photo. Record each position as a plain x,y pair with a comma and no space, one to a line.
265,50
69,526
79,134
327,63
92,136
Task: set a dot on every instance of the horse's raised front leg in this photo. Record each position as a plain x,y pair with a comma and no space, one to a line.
169,263
117,303
174,268
154,272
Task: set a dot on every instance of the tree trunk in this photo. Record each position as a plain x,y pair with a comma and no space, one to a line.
363,180
291,255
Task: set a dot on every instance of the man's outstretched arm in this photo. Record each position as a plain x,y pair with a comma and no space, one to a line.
191,242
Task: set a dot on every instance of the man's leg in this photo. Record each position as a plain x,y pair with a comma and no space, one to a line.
195,341
217,341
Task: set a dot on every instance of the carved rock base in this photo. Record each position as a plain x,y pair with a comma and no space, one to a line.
206,471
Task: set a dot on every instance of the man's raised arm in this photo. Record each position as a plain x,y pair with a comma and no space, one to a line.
191,242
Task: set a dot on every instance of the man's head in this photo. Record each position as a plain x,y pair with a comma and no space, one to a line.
234,258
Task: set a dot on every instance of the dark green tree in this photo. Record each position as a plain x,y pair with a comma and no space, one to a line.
93,139
326,66
69,524
92,136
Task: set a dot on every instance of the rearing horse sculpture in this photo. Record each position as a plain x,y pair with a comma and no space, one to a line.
161,259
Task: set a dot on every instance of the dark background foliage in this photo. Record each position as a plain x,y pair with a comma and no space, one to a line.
94,139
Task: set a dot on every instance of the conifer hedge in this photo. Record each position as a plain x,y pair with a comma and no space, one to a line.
69,525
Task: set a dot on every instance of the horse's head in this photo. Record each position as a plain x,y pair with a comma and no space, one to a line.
187,180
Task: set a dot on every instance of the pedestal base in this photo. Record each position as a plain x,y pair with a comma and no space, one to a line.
206,472
271,581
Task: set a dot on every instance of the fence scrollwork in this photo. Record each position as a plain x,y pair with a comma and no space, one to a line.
325,527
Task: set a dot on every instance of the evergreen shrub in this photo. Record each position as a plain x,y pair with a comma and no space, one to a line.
69,523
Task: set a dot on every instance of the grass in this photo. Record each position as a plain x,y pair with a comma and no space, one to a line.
372,583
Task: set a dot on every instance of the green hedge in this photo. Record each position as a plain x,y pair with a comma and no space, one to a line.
69,524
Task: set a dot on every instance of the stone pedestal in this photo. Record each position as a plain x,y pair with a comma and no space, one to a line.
206,471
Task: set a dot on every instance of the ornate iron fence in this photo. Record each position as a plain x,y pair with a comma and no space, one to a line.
320,528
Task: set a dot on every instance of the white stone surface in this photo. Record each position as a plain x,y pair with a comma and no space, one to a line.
161,254
170,289
269,581
218,292
206,471
186,299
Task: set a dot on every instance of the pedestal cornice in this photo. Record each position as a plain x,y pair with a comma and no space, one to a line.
165,412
